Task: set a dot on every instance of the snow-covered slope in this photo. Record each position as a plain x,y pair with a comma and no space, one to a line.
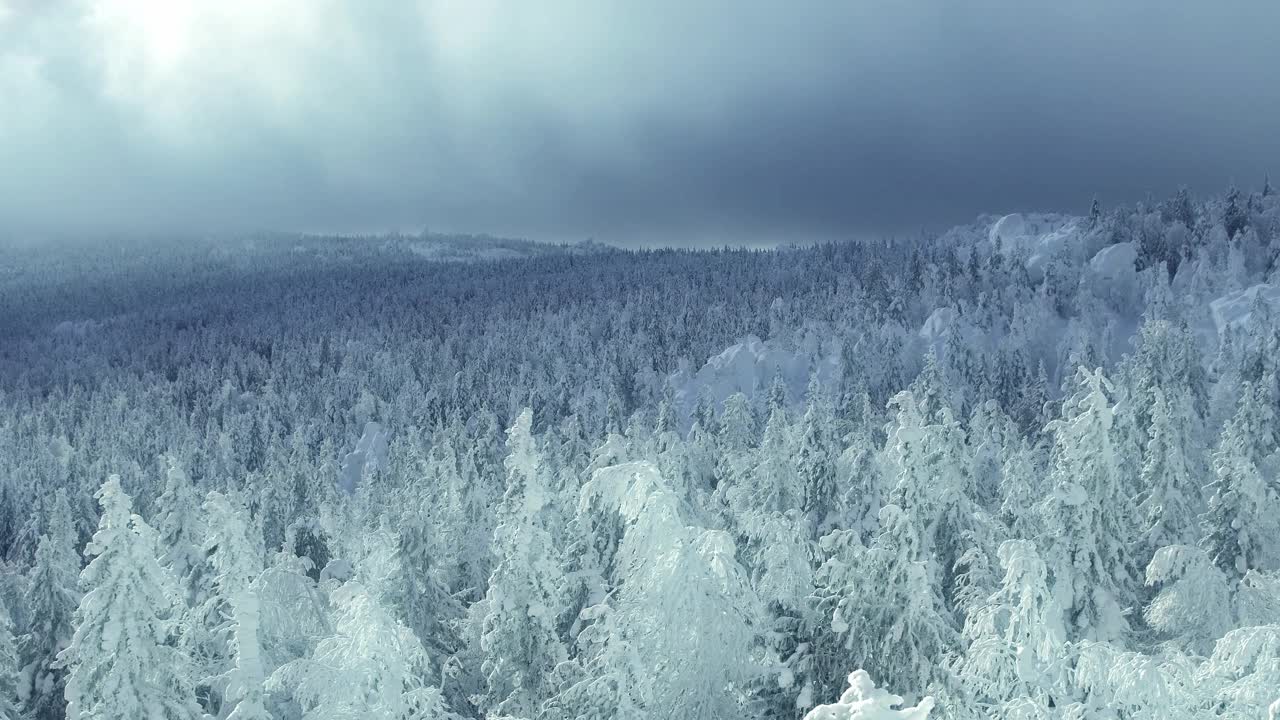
1233,309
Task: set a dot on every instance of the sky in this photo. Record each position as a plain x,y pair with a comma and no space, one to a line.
662,122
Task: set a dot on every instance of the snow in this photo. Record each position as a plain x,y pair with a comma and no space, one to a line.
864,701
370,455
1115,262
338,569
76,329
1008,228
1040,235
1113,273
937,327
749,367
622,488
1232,309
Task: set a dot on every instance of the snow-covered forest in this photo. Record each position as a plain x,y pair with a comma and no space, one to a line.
1028,468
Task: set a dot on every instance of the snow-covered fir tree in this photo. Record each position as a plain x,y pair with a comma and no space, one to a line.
1244,506
9,672
51,598
1088,517
519,635
121,660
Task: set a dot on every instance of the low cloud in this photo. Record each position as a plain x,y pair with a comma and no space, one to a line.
660,122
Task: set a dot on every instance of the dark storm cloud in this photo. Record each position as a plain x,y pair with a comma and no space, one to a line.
656,122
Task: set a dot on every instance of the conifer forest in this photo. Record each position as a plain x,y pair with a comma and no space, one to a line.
1027,468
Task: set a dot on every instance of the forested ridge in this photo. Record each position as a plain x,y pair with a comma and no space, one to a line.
1028,468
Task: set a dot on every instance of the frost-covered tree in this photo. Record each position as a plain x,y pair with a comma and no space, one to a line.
613,683
122,661
235,550
51,598
933,484
1171,478
733,464
863,487
814,457
1021,490
1193,605
771,485
1244,511
294,612
372,667
1240,678
700,667
9,678
1016,644
1112,681
1257,600
664,568
179,524
519,635
1089,520
425,603
898,624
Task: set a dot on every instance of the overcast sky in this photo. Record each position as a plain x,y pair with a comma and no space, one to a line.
664,121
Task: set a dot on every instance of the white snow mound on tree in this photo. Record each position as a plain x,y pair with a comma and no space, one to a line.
369,455
1114,274
1041,234
1233,308
937,327
1115,262
749,367
864,701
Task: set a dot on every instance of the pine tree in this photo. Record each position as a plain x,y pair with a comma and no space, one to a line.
1235,215
1193,605
774,484
122,663
779,397
734,446
1089,520
700,667
613,684
179,525
1021,488
425,603
9,677
1242,674
294,616
51,599
1016,645
1244,511
933,484
519,635
235,550
664,569
371,667
1170,502
814,458
863,487
898,623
